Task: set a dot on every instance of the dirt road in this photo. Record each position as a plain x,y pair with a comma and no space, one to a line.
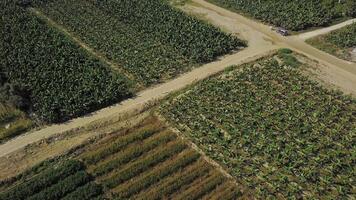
336,71
326,30
142,98
261,41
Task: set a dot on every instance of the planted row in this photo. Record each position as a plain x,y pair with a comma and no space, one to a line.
59,190
150,47
57,77
132,169
86,192
171,185
120,143
46,178
276,130
156,174
294,15
130,153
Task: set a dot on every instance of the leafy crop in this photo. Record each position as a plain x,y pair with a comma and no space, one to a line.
344,38
148,39
291,14
59,78
275,130
338,43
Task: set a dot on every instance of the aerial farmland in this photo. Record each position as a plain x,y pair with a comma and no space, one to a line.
177,99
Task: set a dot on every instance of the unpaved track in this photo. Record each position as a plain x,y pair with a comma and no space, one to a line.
144,97
322,31
261,39
336,71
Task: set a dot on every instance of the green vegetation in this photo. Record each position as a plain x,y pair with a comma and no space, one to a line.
291,14
134,151
149,39
159,166
338,43
85,192
12,122
277,131
58,79
54,182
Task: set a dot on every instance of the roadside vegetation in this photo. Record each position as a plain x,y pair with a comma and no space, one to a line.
150,40
280,133
293,15
147,161
339,43
12,122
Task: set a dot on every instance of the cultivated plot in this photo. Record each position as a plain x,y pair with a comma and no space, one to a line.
47,74
293,15
148,39
277,131
341,43
148,161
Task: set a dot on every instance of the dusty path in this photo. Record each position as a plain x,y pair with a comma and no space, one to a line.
335,71
261,40
144,97
308,35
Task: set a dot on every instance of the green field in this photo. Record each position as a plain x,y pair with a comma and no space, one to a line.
278,132
146,162
291,14
150,40
58,79
339,43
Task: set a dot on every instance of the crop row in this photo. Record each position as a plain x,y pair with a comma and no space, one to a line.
117,145
169,186
294,15
132,152
57,77
46,178
148,39
67,185
275,129
132,169
198,190
156,174
85,192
